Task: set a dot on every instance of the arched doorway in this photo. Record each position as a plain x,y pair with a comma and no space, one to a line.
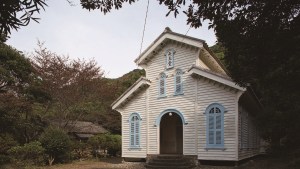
171,134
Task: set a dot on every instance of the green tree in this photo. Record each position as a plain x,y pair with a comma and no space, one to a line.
57,145
219,50
109,142
28,154
16,13
16,115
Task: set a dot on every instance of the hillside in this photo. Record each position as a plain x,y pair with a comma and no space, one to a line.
113,88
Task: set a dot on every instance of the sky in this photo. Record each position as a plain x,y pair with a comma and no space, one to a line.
112,40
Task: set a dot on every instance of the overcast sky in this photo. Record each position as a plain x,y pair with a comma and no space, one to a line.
113,40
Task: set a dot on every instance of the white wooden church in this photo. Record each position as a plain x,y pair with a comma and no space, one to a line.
187,104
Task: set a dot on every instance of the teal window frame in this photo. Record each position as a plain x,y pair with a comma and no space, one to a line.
134,130
178,74
211,125
162,77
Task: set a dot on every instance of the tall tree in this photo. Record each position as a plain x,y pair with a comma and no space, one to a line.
73,85
16,116
16,13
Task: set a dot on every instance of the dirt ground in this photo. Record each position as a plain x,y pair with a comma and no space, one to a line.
111,163
257,163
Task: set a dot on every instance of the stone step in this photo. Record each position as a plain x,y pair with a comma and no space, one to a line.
170,157
166,167
169,162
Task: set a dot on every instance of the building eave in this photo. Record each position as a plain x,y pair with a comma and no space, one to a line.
139,84
226,80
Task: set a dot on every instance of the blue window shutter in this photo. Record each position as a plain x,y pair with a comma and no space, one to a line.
215,126
132,132
137,132
134,122
162,85
178,82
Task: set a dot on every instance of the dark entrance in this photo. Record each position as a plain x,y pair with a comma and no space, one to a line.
171,134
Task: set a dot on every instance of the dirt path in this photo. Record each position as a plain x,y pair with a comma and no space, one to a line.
99,164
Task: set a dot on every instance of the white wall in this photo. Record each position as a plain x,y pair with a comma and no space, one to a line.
136,105
210,92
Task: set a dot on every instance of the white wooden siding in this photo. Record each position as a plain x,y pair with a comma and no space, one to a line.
136,105
210,92
249,140
183,59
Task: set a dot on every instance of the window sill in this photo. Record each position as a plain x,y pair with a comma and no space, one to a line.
134,148
215,148
161,97
178,94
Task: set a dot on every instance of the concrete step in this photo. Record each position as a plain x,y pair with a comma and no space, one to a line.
168,162
167,167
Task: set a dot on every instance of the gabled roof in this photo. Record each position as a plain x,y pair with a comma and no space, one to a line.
167,35
138,85
220,78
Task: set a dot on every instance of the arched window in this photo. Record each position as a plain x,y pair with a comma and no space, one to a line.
170,58
134,121
162,85
215,126
178,82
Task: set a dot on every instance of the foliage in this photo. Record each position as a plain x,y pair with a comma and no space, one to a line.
30,153
18,13
16,76
15,69
219,50
6,142
72,85
80,150
111,119
57,144
110,142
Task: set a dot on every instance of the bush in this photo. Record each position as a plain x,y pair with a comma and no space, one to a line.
80,150
57,145
109,142
6,143
31,153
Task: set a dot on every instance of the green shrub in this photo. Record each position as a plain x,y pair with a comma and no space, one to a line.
80,150
57,144
30,153
109,142
6,143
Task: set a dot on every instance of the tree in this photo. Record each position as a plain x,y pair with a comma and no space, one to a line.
16,13
28,154
73,85
109,142
57,144
16,115
15,69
